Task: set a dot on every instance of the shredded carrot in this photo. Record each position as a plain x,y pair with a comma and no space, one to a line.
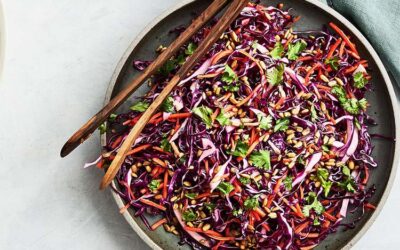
220,55
344,37
279,103
165,189
214,115
365,180
329,216
124,208
333,48
221,238
179,116
116,142
288,41
138,149
305,58
309,235
260,212
326,224
220,243
206,166
351,69
341,49
159,162
301,227
204,195
245,100
310,72
326,88
299,212
100,163
150,203
161,150
199,230
308,247
278,185
370,206
266,227
354,55
158,223
156,116
154,171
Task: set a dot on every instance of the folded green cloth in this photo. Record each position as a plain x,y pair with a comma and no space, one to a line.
379,20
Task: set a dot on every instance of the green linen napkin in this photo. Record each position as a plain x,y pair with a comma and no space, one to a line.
379,20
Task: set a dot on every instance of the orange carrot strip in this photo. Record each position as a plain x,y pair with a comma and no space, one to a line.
344,37
301,227
366,176
308,247
154,171
156,116
221,55
204,195
206,166
220,243
214,115
179,116
165,193
138,149
260,212
310,72
280,102
309,235
199,230
333,48
278,185
354,55
150,203
100,163
370,206
245,100
326,224
161,150
158,223
299,212
265,225
159,162
329,216
116,142
221,238
341,49
305,58
351,69
326,88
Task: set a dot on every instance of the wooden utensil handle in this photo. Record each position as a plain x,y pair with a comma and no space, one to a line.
231,13
90,126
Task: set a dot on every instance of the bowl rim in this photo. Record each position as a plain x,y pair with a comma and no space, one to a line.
143,235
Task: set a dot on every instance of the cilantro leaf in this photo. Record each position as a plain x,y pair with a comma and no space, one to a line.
278,50
204,113
351,106
237,212
191,196
244,180
275,75
261,159
316,222
229,75
181,59
112,117
103,128
282,125
140,106
225,187
313,204
210,206
165,145
314,114
168,67
333,62
168,105
153,185
265,122
190,49
295,49
288,182
189,215
223,119
323,175
359,80
346,171
241,149
251,203
363,104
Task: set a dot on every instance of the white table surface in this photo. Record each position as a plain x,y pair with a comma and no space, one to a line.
60,56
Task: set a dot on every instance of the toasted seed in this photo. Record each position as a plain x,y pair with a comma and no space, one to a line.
332,83
148,169
206,227
289,131
167,228
325,139
306,131
324,78
175,232
290,137
291,155
187,184
338,80
296,111
193,202
323,107
176,206
305,111
351,165
317,184
174,198
272,215
331,140
299,129
291,165
298,144
190,224
257,178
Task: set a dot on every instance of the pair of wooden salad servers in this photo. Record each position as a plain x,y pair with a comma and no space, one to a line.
232,11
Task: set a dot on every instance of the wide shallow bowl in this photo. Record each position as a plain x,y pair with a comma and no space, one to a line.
314,16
